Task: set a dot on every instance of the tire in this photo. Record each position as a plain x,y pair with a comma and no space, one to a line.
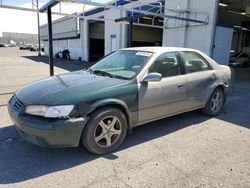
215,103
105,130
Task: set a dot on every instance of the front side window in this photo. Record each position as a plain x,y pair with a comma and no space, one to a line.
167,65
124,64
195,62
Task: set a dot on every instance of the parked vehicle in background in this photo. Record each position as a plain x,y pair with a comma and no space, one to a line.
240,60
11,45
29,46
128,88
3,45
22,47
34,48
25,46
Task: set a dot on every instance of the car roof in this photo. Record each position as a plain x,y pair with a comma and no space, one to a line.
159,49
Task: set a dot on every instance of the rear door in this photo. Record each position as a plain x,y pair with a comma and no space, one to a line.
200,78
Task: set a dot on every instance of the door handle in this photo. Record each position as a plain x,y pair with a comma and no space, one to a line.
181,86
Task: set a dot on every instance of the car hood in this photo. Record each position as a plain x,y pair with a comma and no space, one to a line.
67,88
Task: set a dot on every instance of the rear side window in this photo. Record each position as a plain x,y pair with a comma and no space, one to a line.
167,65
195,62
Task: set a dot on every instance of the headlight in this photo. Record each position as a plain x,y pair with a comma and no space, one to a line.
49,111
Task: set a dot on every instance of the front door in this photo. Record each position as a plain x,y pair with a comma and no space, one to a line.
165,97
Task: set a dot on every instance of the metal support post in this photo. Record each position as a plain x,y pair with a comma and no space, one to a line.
51,63
130,33
38,25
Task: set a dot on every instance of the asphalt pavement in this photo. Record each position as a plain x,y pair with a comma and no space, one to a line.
188,150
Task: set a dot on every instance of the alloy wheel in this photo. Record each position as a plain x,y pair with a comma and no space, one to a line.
107,131
216,102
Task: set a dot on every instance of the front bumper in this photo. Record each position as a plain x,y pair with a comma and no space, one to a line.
46,132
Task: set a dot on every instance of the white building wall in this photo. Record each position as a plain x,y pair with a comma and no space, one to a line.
62,44
75,48
198,37
46,48
113,31
84,39
56,47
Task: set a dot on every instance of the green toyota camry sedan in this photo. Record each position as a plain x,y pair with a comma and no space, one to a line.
128,88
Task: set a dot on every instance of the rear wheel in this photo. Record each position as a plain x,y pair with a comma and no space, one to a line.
105,130
215,103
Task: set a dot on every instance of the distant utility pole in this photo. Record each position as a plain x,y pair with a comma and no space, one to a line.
38,24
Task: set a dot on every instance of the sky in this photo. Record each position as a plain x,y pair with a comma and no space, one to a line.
26,22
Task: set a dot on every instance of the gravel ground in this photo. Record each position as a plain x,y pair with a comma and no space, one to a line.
188,150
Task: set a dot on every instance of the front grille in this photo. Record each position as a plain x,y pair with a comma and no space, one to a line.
15,103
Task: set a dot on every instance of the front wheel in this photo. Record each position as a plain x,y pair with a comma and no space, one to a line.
105,130
215,103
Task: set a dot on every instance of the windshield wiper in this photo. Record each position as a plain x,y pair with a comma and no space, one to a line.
120,77
104,73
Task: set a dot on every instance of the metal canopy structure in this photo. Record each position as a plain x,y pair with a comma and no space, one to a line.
141,8
32,9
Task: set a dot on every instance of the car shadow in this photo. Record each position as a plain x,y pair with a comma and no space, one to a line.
70,65
22,161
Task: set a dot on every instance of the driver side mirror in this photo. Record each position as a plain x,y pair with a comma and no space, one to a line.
152,77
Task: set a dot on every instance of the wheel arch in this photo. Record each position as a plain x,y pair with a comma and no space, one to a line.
218,86
223,88
111,103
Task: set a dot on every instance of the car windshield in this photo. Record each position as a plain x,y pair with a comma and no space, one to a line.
123,64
